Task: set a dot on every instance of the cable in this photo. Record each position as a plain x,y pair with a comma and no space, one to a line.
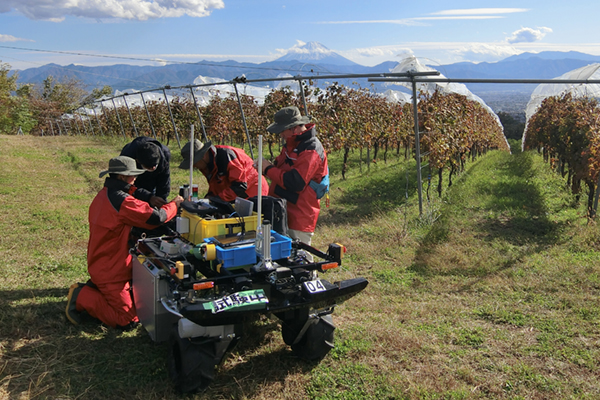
158,60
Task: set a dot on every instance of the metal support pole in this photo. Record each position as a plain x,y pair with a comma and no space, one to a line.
105,115
82,123
64,126
243,119
90,121
191,161
98,122
199,116
260,174
119,118
172,119
130,116
417,146
597,194
76,126
148,114
300,82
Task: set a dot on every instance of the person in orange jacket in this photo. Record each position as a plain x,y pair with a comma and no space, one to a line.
112,214
227,169
300,174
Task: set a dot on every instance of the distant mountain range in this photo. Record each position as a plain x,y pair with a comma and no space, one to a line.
304,60
316,58
544,65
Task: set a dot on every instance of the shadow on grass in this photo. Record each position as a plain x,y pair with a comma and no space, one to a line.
515,216
384,189
44,356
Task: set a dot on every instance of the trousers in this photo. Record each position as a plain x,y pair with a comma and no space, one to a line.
111,303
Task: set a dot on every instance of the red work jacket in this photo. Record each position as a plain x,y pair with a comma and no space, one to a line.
302,159
232,175
111,215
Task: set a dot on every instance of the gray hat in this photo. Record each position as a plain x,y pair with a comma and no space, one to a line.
122,165
287,118
199,150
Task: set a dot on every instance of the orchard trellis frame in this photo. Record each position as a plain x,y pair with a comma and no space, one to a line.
409,77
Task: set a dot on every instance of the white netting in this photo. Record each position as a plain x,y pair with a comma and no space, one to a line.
203,94
395,96
544,90
591,71
134,98
411,64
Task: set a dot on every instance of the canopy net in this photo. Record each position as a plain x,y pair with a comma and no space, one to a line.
588,72
412,64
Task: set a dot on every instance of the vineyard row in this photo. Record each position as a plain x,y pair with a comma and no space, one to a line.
567,131
451,126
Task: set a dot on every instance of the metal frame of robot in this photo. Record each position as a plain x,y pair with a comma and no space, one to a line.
187,298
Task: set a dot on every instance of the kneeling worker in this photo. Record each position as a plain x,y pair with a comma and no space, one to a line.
112,214
227,169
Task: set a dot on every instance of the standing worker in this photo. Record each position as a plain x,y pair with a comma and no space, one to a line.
113,212
300,173
227,169
154,185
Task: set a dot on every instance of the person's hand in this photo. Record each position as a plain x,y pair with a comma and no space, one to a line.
265,164
156,201
178,200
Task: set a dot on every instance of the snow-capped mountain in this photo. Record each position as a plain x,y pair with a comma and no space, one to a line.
312,52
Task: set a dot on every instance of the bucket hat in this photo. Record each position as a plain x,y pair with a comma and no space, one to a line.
287,118
199,150
122,165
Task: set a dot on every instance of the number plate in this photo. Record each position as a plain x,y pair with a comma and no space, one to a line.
247,300
315,286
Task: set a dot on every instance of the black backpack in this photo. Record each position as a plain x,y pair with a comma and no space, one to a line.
274,210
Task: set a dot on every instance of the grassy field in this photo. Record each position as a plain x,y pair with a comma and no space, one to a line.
493,292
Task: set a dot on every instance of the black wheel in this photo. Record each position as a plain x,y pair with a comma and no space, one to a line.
191,362
316,341
290,329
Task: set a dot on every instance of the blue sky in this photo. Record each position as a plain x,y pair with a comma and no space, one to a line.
97,32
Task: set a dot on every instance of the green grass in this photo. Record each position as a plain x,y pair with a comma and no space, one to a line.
492,292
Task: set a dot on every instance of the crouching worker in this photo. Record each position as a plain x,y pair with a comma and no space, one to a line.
113,212
154,185
227,169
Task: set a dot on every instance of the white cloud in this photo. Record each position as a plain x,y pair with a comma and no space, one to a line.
297,48
441,53
407,22
11,38
458,14
375,52
480,11
528,35
436,53
57,10
458,17
478,52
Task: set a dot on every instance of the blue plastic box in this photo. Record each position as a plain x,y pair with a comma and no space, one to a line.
236,256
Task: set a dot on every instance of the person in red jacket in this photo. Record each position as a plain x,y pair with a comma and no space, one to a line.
227,169
300,173
112,214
